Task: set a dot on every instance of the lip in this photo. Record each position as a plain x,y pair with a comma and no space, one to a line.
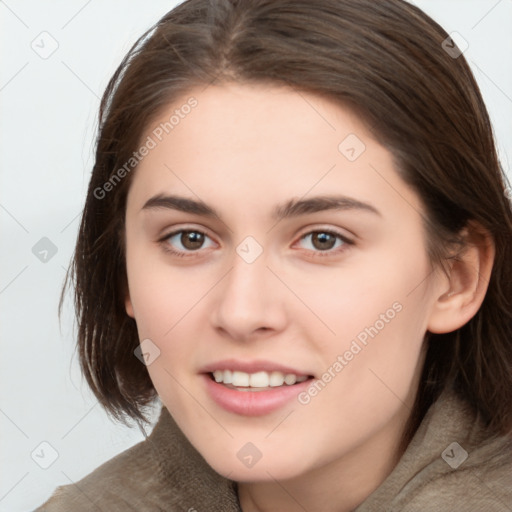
252,403
252,367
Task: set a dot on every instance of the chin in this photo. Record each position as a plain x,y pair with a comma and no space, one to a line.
264,469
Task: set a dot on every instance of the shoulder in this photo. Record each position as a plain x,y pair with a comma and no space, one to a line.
473,479
162,473
117,484
452,463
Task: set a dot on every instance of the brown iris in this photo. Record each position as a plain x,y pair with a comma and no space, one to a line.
322,240
192,239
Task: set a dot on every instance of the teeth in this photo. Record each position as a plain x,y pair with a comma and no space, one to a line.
290,379
240,379
276,379
256,380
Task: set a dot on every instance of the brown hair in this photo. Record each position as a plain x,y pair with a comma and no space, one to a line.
386,61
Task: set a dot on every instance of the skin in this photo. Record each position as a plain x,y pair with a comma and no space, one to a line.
244,150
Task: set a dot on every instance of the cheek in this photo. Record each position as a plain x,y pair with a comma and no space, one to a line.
160,294
377,312
167,303
351,298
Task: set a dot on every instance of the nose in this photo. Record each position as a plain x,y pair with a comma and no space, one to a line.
249,301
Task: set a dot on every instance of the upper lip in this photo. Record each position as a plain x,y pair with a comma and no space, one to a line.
251,367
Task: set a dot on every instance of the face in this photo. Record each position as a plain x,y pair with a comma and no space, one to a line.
278,274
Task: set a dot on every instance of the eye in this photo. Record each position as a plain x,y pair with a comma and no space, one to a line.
186,241
325,241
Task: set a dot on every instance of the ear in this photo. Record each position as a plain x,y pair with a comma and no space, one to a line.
467,283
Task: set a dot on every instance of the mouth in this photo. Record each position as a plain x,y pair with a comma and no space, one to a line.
257,381
253,388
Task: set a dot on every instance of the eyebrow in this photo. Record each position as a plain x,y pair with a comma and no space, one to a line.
292,208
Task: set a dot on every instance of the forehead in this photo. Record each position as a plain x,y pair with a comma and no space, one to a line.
244,117
244,144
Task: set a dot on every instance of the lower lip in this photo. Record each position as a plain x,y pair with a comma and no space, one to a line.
252,403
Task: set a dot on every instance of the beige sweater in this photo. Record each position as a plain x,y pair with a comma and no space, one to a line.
165,473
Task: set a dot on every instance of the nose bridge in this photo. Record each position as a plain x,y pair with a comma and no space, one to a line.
247,282
247,300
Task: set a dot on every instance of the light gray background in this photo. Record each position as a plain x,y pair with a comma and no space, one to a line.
49,115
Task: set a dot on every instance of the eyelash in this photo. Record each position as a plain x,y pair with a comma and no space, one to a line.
317,254
181,254
346,243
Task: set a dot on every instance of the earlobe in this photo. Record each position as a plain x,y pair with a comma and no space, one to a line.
129,306
468,281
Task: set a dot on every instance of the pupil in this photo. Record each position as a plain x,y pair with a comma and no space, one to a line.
322,240
192,239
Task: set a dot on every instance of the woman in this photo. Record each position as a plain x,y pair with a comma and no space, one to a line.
297,237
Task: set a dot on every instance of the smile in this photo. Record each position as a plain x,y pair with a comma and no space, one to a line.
259,381
253,394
